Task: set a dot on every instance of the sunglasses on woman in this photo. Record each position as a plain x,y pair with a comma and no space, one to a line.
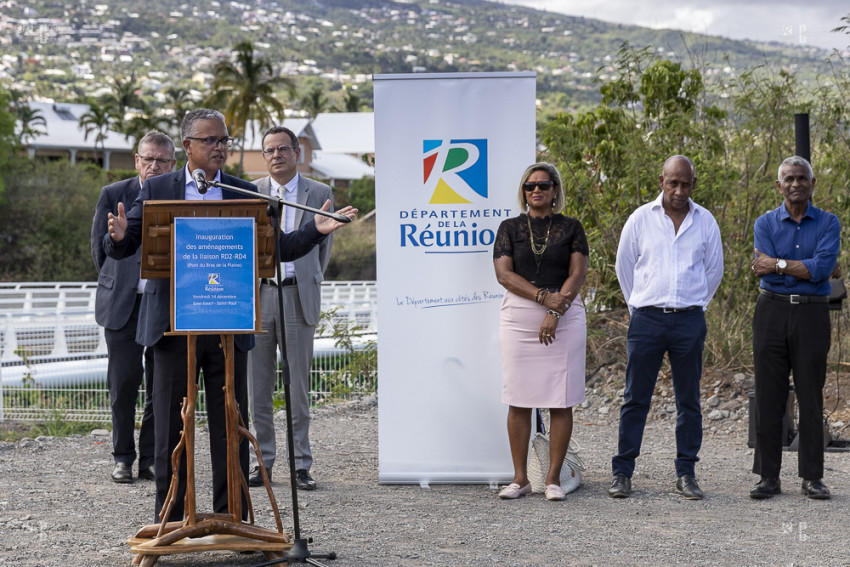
530,185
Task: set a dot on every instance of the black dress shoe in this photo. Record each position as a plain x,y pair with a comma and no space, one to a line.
303,480
687,486
766,488
255,477
147,474
815,489
122,473
621,486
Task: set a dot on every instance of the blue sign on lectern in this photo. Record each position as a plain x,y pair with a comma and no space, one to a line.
214,274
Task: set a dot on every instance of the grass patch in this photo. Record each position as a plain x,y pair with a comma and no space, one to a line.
55,426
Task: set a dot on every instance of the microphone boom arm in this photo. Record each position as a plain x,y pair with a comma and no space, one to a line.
270,199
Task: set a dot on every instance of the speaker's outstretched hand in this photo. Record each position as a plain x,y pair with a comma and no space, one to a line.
118,224
327,225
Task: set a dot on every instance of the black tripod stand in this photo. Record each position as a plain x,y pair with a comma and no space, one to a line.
299,552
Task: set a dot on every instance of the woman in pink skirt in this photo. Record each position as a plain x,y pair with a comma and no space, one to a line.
541,259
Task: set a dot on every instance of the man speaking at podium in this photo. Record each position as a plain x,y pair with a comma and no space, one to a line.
206,141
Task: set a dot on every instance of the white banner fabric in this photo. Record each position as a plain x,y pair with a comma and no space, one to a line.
449,153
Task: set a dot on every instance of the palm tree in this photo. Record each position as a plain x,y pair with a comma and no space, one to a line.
97,120
178,102
351,102
146,119
31,122
123,98
245,89
315,102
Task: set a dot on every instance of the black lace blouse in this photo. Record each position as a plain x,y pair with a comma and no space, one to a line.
565,237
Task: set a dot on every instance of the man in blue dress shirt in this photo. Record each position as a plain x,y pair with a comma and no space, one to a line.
796,247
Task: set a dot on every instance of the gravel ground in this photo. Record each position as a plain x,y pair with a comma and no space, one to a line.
57,506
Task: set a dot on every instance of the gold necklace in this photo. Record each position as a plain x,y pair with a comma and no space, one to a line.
538,251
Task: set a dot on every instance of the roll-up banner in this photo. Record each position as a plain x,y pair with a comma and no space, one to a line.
449,153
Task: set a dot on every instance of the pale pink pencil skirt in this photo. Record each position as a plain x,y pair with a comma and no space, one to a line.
535,375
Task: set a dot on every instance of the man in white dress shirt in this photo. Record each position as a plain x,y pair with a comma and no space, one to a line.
669,264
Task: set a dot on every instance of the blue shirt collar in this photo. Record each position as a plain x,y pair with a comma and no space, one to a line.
811,212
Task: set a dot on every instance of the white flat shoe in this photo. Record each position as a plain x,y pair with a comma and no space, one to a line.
513,491
554,492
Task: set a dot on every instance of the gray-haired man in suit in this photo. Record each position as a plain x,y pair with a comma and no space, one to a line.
119,294
302,302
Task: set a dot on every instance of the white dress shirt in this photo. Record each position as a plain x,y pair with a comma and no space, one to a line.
192,193
660,267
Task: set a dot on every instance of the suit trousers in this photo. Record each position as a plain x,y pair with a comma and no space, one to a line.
170,386
682,336
790,338
263,375
124,374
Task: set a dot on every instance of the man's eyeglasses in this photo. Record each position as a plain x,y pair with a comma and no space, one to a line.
160,161
212,141
280,149
530,185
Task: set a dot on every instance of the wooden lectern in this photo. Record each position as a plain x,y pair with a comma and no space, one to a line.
208,532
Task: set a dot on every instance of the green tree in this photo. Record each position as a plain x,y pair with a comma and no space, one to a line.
350,101
315,102
146,119
361,195
97,120
7,139
31,121
611,157
245,90
177,103
353,255
123,98
45,221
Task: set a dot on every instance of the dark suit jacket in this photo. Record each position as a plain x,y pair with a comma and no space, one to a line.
310,268
117,280
155,311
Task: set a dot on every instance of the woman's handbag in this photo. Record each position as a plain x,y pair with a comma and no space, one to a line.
538,462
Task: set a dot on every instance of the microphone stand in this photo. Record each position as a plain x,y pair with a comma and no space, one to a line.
299,552
256,195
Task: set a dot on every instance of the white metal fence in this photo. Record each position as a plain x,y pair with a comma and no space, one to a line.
53,353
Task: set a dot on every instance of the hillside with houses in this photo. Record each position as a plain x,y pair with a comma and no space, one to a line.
66,51
60,57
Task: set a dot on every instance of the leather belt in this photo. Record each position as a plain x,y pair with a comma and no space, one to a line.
671,309
794,299
286,281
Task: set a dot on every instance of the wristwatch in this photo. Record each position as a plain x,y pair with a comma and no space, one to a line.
781,265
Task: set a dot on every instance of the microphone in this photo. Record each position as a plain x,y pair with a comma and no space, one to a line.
200,180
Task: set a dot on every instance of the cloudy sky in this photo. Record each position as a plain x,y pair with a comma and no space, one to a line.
789,21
